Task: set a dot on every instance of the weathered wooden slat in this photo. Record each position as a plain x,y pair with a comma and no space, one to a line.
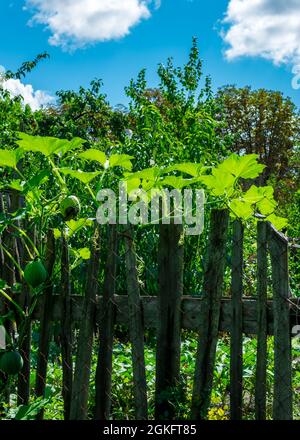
170,268
2,258
80,388
283,402
262,322
24,328
210,314
106,320
46,310
190,312
66,329
236,340
136,328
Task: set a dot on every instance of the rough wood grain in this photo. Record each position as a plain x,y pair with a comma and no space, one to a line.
190,312
66,339
136,327
210,314
45,321
262,322
170,268
236,340
283,402
80,388
106,320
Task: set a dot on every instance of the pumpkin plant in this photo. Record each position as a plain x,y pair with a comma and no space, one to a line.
223,183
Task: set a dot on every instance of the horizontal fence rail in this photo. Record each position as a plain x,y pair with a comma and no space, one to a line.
190,312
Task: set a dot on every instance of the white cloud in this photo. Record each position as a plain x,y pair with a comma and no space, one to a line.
35,98
77,23
265,28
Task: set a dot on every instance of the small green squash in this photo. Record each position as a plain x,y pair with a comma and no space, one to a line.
70,208
11,362
35,273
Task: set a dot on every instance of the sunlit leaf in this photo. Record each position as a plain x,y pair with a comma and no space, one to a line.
193,169
75,226
133,184
257,193
278,222
10,158
147,174
57,233
94,155
241,209
48,145
83,176
245,167
177,182
121,160
220,183
266,206
17,185
84,253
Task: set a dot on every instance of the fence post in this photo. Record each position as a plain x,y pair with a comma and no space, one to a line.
236,341
262,323
80,388
66,328
210,314
170,262
282,404
24,332
45,322
104,363
136,327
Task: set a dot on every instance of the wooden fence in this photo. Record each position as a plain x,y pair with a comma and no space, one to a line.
208,313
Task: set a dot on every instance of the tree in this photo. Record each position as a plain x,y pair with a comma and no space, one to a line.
266,123
176,120
85,114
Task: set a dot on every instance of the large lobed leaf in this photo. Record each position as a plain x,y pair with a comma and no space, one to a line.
48,145
10,158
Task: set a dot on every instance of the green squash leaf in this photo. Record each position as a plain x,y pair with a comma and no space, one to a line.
10,158
177,182
193,169
147,174
84,177
94,155
121,160
48,145
75,226
17,185
84,253
245,167
241,209
220,182
278,222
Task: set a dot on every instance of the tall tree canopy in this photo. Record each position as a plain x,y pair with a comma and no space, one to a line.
266,123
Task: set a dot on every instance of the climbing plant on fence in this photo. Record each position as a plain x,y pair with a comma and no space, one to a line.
51,245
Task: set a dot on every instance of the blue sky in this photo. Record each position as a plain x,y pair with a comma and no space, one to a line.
259,46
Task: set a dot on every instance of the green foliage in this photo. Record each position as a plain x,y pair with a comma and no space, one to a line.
224,185
263,122
174,136
48,145
10,158
175,122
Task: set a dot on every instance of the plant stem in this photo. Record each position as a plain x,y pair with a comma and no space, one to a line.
13,302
